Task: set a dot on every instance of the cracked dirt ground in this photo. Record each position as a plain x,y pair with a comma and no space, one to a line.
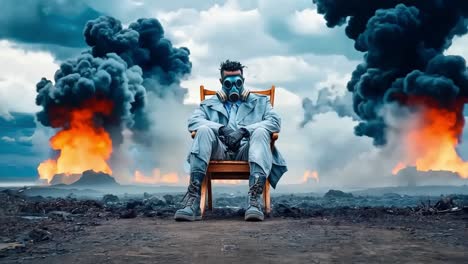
276,240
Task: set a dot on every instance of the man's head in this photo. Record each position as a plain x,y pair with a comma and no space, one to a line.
232,80
229,68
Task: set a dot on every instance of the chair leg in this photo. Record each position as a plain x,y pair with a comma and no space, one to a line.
210,193
203,195
266,197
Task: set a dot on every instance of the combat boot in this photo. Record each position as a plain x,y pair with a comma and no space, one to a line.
191,210
256,185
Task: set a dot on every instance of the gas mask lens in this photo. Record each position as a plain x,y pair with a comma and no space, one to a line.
239,83
229,82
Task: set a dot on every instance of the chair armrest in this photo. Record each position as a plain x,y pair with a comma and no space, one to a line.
274,136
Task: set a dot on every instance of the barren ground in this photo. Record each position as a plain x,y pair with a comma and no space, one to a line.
276,240
336,228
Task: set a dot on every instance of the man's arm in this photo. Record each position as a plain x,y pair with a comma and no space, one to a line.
200,118
271,120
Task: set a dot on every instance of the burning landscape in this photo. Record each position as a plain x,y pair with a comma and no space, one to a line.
81,146
406,87
102,93
110,173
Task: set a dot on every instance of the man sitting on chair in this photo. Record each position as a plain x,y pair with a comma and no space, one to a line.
234,125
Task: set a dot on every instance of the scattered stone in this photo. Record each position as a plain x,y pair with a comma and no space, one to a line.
59,215
77,228
169,199
227,248
127,214
9,246
150,213
38,235
134,204
287,211
154,202
337,194
110,199
445,203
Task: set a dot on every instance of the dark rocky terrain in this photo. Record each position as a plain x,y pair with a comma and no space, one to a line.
37,229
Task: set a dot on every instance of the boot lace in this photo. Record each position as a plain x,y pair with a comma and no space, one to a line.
254,193
192,194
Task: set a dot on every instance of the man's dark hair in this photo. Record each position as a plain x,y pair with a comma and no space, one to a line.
230,66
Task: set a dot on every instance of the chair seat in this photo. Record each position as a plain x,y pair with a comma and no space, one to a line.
228,166
229,170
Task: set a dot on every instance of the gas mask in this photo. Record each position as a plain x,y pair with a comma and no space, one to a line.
233,89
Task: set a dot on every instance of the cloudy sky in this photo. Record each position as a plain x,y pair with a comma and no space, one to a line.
285,43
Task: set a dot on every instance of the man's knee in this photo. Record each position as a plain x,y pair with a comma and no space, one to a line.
205,131
197,164
260,134
204,143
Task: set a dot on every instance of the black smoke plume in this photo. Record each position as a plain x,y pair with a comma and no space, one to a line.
88,78
142,44
403,42
123,66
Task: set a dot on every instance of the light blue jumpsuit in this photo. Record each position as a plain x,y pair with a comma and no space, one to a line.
257,116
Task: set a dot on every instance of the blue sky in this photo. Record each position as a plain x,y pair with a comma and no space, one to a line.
285,43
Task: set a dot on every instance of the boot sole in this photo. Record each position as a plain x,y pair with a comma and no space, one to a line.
254,217
187,218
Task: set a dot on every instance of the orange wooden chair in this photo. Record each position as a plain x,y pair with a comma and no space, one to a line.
231,170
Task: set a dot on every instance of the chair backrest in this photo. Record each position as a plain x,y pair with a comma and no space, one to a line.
270,92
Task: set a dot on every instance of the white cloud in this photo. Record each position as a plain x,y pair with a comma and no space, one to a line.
308,22
4,112
303,75
20,71
336,82
291,138
278,69
218,33
193,85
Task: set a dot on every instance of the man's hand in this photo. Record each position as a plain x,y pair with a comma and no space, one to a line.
225,131
234,138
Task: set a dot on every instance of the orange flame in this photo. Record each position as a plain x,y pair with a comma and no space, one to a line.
82,145
310,175
431,144
398,168
156,177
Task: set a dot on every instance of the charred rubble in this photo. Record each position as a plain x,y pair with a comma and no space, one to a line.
28,220
70,208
